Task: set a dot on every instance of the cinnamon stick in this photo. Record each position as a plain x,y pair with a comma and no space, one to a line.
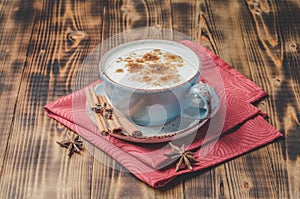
119,122
113,123
92,101
127,126
107,119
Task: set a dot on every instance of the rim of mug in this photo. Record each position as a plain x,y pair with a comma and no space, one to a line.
155,90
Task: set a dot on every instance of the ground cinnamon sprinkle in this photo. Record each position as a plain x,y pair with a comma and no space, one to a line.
157,68
119,70
134,67
150,57
153,67
173,58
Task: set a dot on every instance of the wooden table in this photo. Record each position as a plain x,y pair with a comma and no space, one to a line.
43,45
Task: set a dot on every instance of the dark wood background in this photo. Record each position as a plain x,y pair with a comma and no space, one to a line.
43,44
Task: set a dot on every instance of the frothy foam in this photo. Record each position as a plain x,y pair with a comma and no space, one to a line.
150,68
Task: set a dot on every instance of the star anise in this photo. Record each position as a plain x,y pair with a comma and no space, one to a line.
74,145
98,108
185,157
103,110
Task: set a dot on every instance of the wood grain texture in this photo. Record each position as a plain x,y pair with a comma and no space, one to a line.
44,47
14,42
34,166
258,60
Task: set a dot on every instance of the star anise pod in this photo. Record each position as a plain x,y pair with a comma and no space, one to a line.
103,110
98,108
74,145
185,157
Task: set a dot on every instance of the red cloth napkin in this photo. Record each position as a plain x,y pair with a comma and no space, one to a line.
238,127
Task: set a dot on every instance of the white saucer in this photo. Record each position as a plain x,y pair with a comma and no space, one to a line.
178,128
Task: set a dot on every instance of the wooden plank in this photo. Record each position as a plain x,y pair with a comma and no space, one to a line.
261,64
279,75
184,17
223,34
15,34
34,165
288,89
111,180
137,14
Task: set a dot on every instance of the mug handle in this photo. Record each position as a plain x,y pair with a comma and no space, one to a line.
200,102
